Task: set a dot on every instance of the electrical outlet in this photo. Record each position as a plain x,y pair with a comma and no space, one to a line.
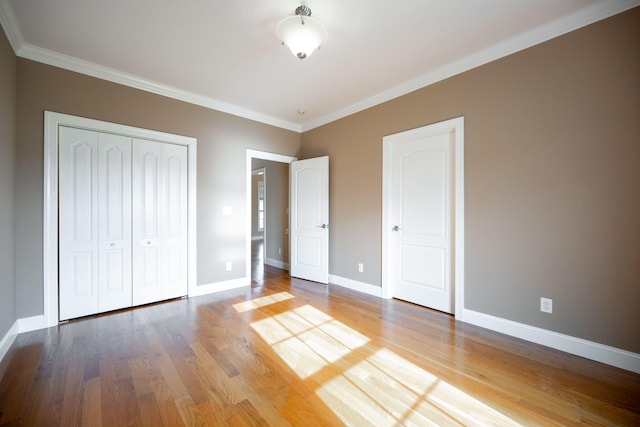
228,265
546,305
360,267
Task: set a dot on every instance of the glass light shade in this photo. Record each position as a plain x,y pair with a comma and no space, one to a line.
301,34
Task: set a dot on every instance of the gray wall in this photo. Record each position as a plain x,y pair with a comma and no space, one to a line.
552,164
277,218
255,180
7,161
222,143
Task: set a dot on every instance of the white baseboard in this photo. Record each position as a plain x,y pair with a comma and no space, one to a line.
8,339
32,323
366,288
211,288
580,347
276,263
577,346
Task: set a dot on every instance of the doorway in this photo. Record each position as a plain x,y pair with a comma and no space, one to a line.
267,232
423,216
258,220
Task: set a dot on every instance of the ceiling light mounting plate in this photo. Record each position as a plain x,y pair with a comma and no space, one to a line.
303,10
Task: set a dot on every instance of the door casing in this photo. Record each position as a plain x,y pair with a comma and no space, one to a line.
455,125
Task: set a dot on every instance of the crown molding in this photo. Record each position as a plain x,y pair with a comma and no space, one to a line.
11,27
588,15
70,63
25,50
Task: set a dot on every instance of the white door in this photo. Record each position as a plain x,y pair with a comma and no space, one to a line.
95,226
421,218
78,226
310,219
114,201
174,232
159,221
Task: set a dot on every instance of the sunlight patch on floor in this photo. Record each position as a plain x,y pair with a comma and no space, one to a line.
307,339
241,307
392,390
364,384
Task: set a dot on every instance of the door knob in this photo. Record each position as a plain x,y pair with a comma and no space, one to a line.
396,228
324,226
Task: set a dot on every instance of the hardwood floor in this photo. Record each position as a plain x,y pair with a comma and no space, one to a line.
290,352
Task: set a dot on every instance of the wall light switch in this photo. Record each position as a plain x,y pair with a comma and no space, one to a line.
227,210
228,265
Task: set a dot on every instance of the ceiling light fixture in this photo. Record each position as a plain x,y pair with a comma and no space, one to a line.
301,33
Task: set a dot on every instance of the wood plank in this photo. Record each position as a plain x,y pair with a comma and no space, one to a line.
91,403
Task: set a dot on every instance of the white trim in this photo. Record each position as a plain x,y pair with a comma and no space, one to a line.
226,285
577,346
33,323
9,22
580,347
255,154
545,32
50,206
363,287
8,339
66,62
20,326
459,267
277,263
457,126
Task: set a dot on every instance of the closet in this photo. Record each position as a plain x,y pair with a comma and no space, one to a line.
122,221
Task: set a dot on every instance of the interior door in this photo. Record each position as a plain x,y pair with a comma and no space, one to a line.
78,226
114,201
147,221
309,257
95,222
174,233
159,221
421,236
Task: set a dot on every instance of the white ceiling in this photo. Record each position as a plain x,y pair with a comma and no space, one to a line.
224,54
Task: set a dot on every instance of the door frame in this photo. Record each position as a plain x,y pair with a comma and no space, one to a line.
52,121
264,155
455,125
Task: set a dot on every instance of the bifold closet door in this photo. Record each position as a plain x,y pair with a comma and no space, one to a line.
94,222
159,221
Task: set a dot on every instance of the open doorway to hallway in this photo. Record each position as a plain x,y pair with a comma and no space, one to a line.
269,218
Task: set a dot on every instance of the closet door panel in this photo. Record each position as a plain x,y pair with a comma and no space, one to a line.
114,160
78,223
174,172
147,220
